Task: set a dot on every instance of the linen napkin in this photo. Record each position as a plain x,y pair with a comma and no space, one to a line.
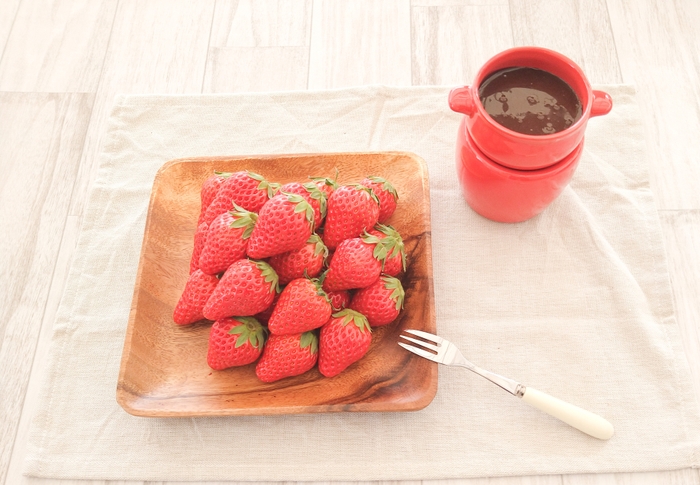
575,302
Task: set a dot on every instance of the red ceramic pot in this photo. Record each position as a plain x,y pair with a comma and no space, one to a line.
516,150
504,194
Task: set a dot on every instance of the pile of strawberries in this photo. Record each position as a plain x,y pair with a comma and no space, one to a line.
293,275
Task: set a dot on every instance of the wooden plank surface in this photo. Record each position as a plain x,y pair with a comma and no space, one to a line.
360,42
258,46
261,23
657,45
57,46
8,12
256,69
440,36
46,133
114,46
580,30
157,46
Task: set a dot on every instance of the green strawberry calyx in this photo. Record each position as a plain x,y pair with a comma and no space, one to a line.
244,219
271,187
318,285
393,242
380,251
386,185
357,318
269,274
318,195
369,191
319,246
330,182
223,175
249,330
397,293
301,205
309,340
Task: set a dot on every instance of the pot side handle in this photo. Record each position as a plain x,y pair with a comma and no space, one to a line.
461,100
602,103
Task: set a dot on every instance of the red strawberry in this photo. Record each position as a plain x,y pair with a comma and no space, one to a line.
226,240
395,261
313,195
327,185
246,288
339,299
284,224
235,341
247,189
200,236
287,356
380,302
386,193
210,187
198,290
302,306
344,340
352,209
264,316
307,260
356,263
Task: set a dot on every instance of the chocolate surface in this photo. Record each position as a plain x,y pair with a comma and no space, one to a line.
530,101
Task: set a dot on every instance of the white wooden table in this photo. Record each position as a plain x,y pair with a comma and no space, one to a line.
62,61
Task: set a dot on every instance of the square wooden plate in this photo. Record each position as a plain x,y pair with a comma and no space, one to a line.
164,370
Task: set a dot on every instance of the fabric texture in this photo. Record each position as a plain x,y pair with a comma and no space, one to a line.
575,302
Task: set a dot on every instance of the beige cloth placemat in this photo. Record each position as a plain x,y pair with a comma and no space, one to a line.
575,302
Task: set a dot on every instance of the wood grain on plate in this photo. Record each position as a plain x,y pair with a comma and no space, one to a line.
164,370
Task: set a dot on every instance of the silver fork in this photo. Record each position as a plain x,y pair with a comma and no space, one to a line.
445,352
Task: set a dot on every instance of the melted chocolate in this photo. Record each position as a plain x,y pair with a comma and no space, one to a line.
530,101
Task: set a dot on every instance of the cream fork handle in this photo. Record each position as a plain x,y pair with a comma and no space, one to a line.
583,420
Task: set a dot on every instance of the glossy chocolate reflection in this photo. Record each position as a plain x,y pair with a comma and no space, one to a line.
530,101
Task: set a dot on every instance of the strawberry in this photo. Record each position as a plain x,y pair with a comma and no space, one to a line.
302,306
344,340
246,288
313,195
356,263
352,209
210,187
198,290
380,302
247,189
264,316
284,224
395,261
385,192
226,240
307,260
200,236
235,341
339,299
325,184
287,356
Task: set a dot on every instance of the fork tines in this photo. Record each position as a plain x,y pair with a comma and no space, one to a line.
423,353
428,350
426,336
